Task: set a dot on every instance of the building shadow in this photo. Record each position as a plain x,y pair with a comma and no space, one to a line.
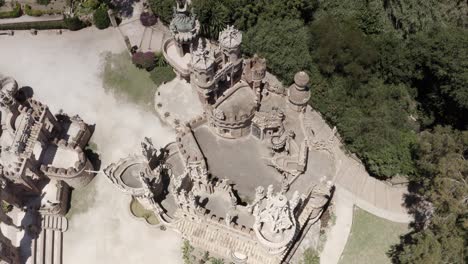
32,226
24,93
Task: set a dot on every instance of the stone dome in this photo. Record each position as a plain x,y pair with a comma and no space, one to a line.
301,79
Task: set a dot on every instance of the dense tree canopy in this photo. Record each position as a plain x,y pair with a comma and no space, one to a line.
439,237
289,34
164,9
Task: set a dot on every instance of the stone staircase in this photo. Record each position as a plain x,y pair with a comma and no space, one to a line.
47,247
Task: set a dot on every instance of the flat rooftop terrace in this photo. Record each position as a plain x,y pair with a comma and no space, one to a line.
243,161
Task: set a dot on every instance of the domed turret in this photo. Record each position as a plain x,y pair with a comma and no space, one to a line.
298,94
184,27
202,71
230,40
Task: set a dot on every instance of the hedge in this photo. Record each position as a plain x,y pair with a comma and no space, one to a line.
56,24
16,12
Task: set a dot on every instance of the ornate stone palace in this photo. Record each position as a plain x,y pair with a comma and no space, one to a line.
41,156
247,180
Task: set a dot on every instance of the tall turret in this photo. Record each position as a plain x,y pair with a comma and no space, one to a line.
298,94
184,27
202,73
230,40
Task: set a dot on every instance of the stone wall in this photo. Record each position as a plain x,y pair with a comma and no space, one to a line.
213,235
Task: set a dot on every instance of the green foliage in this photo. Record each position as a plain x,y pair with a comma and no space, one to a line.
440,61
56,24
2,3
442,179
6,207
341,48
163,9
216,261
411,16
310,257
92,4
31,12
160,75
373,121
213,16
43,2
15,12
101,18
73,23
36,12
160,60
283,42
187,250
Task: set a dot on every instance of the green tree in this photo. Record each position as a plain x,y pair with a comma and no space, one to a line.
283,42
101,18
2,2
373,121
340,47
164,9
441,235
412,16
73,23
213,16
440,60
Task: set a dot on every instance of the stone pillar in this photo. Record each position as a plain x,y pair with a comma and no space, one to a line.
111,15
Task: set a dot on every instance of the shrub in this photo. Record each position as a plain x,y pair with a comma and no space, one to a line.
147,19
144,60
93,4
43,2
73,23
16,12
160,60
32,12
160,75
101,18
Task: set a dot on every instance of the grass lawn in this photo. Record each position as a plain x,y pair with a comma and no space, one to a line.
139,211
371,238
137,85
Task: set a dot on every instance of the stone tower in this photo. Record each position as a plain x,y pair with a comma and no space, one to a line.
202,74
184,27
298,94
230,40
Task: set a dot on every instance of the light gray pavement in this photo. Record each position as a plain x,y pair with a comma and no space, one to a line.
179,100
338,234
146,38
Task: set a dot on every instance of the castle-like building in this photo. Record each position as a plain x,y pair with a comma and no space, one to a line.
248,179
41,157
